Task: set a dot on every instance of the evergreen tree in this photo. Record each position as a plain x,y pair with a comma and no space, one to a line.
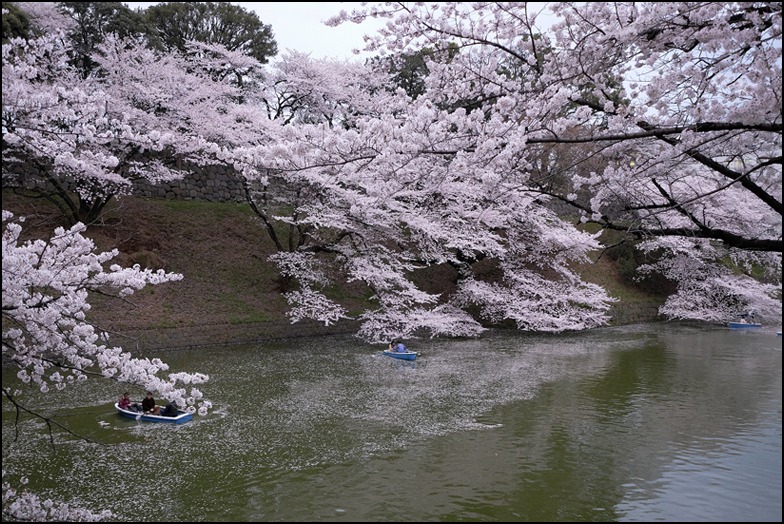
213,23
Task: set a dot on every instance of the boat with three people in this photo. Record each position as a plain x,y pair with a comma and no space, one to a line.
180,417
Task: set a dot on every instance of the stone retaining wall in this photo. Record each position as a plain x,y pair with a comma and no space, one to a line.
215,183
211,183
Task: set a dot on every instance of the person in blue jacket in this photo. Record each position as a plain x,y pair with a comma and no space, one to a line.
397,345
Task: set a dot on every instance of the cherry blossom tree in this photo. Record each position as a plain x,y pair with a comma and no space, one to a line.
48,337
142,115
46,287
29,507
297,89
92,135
395,195
92,22
64,126
713,292
300,89
41,17
675,107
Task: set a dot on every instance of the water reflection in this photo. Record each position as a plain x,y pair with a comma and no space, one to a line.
632,423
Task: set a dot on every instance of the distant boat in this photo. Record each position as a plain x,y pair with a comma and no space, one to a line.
182,416
743,325
407,355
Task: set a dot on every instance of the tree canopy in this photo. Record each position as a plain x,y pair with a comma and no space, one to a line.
93,22
15,22
673,111
229,25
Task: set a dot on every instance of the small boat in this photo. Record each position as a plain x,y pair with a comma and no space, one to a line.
743,325
182,416
408,355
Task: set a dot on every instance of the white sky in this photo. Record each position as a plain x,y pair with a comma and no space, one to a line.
298,26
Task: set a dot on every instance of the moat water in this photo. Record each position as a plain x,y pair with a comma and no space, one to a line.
651,422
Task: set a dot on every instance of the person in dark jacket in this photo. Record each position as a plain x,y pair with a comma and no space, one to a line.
148,404
170,410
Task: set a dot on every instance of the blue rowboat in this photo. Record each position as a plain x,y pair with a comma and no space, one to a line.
408,355
743,325
182,416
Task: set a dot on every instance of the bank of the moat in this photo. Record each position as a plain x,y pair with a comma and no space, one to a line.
227,334
230,292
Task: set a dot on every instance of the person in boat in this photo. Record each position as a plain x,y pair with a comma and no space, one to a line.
170,410
125,403
397,346
148,404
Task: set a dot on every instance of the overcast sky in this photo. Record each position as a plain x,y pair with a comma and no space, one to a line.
298,26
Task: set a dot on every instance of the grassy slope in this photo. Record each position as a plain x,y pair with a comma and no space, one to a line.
221,250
